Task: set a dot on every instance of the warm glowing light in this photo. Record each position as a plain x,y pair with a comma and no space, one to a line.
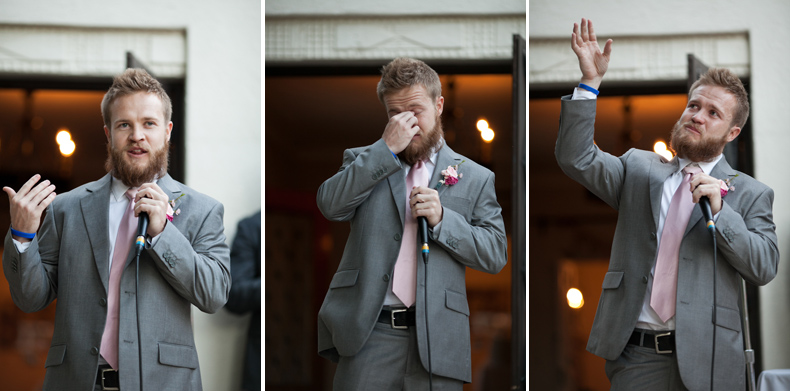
575,298
63,136
487,135
67,148
482,125
660,148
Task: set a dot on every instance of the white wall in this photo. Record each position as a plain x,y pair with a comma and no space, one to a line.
765,23
223,120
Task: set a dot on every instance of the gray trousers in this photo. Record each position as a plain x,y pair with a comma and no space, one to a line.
640,368
389,361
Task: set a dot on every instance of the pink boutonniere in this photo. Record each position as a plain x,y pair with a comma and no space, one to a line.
726,185
171,205
450,176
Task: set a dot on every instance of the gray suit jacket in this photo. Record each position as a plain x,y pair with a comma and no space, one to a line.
746,247
370,191
69,260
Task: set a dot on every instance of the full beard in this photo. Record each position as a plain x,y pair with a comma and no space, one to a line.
132,175
697,151
421,150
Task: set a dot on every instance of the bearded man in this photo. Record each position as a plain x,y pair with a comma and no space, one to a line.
655,323
82,255
373,319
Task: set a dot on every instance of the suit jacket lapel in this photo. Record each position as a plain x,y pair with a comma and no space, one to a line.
721,170
95,207
397,183
660,170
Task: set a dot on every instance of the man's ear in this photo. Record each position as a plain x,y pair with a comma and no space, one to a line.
168,130
734,132
107,133
439,104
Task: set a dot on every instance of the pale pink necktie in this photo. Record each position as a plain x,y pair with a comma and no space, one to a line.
404,280
123,243
665,277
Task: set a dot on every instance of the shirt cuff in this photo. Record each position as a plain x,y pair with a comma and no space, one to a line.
582,94
21,247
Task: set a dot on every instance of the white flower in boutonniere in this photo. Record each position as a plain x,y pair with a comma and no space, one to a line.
171,205
450,176
726,185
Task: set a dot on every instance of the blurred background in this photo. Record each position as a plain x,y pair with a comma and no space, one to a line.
642,96
57,59
322,64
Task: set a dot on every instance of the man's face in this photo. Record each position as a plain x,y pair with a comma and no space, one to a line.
138,139
428,112
706,125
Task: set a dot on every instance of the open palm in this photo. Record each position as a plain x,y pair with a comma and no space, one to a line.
592,62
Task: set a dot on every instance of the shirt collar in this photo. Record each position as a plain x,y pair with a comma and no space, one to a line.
119,189
706,167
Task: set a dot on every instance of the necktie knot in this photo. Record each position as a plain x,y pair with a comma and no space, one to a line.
131,193
692,168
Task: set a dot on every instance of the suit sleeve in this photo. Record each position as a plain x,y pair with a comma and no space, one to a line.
748,242
197,268
339,196
33,275
480,243
245,292
579,157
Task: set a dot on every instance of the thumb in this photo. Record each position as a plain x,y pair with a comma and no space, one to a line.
11,193
607,49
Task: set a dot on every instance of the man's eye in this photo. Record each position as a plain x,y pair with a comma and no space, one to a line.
714,113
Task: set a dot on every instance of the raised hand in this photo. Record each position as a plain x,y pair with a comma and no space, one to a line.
592,62
400,130
28,204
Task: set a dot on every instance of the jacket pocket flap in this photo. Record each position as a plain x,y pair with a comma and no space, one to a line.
456,302
728,318
612,280
55,356
177,355
344,278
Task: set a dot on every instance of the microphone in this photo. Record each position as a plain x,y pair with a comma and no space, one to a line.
704,204
422,224
142,226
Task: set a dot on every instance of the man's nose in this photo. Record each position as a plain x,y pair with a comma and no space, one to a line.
136,134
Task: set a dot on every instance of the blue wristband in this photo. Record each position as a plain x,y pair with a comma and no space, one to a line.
23,234
588,88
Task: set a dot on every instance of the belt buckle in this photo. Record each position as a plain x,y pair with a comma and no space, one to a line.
392,319
103,387
655,338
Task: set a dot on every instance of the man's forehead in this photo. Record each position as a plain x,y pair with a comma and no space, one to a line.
715,95
411,96
149,103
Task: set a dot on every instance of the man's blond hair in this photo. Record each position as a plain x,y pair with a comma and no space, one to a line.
404,72
131,81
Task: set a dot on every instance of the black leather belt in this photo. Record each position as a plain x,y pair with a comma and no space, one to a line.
107,378
662,341
398,318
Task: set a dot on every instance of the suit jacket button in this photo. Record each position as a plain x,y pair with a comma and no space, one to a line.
644,279
386,277
653,235
94,350
397,237
103,302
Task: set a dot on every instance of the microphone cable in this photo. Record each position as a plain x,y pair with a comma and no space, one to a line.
139,244
704,204
422,224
